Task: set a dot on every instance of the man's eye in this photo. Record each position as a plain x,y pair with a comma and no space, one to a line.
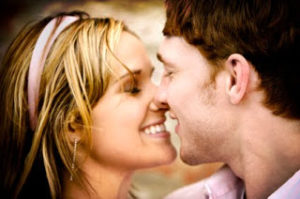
168,73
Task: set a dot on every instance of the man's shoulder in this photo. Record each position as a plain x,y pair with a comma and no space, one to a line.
223,185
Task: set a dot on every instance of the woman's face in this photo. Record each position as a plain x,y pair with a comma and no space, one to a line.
128,129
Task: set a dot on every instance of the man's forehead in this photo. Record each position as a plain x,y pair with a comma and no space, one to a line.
171,41
174,49
169,48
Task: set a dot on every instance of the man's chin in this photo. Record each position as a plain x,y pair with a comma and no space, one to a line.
189,158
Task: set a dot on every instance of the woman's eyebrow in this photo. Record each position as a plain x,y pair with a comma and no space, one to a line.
134,72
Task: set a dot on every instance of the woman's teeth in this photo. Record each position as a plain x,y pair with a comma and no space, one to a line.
155,129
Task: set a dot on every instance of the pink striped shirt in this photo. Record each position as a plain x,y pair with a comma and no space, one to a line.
225,185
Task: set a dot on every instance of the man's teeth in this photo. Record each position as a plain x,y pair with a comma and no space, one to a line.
155,129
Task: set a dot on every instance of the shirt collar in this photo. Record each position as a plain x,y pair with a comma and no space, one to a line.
290,189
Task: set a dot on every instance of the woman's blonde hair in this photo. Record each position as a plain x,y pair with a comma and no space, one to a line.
76,74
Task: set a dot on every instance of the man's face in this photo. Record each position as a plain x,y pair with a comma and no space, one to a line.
195,100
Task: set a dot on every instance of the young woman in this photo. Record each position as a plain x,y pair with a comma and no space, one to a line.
78,116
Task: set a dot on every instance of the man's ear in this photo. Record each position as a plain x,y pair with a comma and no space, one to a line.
238,79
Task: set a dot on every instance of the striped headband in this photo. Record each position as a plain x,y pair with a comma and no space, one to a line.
40,52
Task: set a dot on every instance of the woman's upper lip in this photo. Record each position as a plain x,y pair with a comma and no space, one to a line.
158,122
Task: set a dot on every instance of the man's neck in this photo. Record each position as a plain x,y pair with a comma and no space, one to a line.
269,155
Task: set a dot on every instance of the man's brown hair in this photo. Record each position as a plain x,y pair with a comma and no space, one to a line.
265,32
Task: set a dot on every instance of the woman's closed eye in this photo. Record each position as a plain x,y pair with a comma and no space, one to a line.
131,88
135,90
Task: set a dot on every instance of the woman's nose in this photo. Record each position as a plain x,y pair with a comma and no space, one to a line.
160,98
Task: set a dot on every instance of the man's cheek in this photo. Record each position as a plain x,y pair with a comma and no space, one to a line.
175,95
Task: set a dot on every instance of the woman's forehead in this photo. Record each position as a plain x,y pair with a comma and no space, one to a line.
130,54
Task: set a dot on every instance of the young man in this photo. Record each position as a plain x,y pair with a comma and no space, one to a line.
232,82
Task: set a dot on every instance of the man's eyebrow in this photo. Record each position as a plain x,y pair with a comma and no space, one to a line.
159,57
162,60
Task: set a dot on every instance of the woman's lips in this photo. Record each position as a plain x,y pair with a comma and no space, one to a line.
156,129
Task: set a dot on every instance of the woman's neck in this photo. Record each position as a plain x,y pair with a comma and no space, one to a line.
104,182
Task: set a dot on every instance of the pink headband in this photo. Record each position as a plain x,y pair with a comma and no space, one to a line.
40,52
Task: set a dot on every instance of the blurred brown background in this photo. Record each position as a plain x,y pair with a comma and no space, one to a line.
146,18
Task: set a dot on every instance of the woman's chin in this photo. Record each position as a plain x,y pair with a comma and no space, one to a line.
168,157
172,155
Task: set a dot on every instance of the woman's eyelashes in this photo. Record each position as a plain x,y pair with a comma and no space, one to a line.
135,90
131,87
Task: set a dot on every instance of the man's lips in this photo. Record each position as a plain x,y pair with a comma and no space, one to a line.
177,127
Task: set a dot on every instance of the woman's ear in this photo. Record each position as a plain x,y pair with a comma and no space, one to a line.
73,121
74,131
74,128
238,79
